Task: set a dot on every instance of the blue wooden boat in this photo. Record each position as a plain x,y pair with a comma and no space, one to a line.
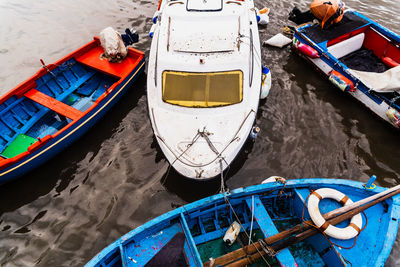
360,57
192,234
50,110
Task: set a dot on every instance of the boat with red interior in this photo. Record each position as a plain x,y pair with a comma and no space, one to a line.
359,56
46,113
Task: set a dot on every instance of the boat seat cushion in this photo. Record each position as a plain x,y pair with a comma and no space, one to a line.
384,82
347,46
18,146
349,23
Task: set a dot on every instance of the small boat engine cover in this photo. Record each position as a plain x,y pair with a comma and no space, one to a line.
113,45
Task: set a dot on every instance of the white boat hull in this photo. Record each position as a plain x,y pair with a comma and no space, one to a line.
201,142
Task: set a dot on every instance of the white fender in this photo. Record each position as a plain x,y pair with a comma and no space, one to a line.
339,233
274,179
262,16
155,16
232,233
152,30
265,82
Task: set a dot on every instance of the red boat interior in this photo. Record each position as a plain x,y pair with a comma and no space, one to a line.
385,50
383,54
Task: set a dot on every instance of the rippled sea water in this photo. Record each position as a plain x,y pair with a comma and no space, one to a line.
115,177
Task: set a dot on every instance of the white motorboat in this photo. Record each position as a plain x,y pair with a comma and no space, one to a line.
204,82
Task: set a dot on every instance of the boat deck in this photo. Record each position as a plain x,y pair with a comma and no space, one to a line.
55,99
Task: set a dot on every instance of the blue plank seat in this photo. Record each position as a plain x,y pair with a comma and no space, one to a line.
53,104
268,228
15,114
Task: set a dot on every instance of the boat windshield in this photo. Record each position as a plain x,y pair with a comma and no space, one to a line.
210,89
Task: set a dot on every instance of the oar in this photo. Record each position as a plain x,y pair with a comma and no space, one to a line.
348,212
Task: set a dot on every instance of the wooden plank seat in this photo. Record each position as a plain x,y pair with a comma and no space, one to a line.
117,69
53,104
268,228
57,85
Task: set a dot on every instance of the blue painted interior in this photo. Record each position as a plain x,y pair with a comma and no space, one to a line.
204,224
71,83
268,228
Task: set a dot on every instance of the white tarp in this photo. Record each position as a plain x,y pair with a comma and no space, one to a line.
278,40
384,82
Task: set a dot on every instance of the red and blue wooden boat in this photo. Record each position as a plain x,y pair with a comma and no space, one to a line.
49,111
360,57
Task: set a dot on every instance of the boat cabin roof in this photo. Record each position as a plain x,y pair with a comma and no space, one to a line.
194,37
211,30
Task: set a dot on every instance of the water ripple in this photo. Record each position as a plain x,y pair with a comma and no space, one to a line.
115,177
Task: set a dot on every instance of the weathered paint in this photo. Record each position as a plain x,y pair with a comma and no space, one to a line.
371,248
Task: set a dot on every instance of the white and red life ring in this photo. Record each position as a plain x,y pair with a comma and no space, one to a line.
352,230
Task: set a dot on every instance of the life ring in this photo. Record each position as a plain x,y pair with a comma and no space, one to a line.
350,231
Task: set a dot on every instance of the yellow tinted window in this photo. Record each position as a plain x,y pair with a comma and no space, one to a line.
202,89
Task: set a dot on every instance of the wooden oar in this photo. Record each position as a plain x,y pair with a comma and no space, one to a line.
347,212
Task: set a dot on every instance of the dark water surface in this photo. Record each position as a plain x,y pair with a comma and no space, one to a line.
115,177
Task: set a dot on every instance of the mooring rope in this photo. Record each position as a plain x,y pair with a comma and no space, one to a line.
252,216
194,140
205,134
223,191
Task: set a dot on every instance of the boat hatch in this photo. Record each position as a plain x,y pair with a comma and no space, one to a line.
221,37
201,5
209,89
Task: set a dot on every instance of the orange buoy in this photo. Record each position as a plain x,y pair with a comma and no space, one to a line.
327,11
388,61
